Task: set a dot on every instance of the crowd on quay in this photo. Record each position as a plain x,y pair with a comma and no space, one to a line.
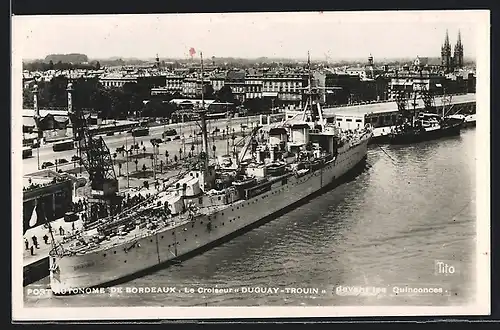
46,238
32,186
81,208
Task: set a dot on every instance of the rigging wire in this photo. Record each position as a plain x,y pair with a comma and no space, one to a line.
385,152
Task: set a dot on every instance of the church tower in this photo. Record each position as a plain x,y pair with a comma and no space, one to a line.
446,60
458,53
157,61
370,60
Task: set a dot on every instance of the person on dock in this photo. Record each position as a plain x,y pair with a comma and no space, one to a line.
61,231
26,244
32,251
73,226
46,239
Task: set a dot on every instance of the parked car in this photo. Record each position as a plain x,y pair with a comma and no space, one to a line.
62,161
120,149
156,140
168,139
70,217
216,130
177,137
47,164
110,133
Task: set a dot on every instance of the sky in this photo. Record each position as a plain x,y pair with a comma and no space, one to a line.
326,35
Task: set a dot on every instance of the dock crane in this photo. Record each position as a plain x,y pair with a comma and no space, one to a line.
96,158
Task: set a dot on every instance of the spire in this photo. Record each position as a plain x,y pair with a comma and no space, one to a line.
446,39
459,39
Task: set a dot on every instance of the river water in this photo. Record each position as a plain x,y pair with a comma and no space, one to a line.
386,229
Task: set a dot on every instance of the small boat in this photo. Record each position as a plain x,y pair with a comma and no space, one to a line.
470,120
302,172
429,128
244,183
424,127
275,169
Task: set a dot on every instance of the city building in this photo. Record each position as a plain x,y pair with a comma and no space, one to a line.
47,196
116,80
217,82
288,88
173,83
409,82
253,88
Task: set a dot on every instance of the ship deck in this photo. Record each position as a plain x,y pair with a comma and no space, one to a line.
72,244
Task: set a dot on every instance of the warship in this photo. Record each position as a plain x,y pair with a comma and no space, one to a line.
279,165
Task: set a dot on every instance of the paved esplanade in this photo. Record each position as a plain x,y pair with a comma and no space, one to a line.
45,153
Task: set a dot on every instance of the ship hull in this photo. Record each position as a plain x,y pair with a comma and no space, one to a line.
71,274
381,139
468,124
420,136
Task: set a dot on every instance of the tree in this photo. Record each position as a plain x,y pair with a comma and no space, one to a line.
256,105
175,158
208,91
28,98
225,94
119,169
136,162
166,156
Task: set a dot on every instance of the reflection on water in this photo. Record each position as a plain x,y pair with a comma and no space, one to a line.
411,207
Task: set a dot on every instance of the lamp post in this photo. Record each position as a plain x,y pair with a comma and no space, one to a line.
38,153
183,143
153,166
126,152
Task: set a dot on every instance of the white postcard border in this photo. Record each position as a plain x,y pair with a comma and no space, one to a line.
480,307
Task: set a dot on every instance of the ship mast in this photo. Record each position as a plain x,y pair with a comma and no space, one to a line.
203,122
309,90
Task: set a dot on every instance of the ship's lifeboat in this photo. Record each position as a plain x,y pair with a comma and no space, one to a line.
244,183
275,169
302,172
316,164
